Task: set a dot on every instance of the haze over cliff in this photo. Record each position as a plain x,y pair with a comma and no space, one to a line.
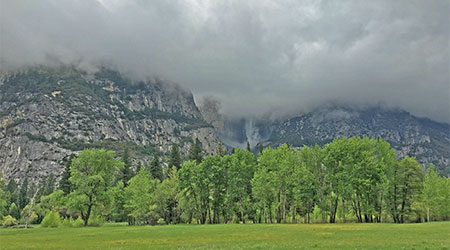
257,56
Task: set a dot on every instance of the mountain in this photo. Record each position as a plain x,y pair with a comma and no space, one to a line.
427,140
48,114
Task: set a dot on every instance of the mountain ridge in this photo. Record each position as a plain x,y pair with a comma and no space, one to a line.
47,114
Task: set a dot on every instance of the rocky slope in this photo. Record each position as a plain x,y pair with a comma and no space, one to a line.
424,139
49,114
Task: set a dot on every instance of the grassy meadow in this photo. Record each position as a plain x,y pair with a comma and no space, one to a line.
234,236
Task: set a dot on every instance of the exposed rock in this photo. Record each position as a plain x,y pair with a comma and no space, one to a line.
48,114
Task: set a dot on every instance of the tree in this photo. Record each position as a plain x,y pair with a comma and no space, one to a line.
405,182
139,196
119,212
189,194
155,168
12,192
92,175
64,183
249,149
56,201
3,202
175,157
46,185
127,171
196,152
166,198
260,148
312,159
14,211
241,170
435,195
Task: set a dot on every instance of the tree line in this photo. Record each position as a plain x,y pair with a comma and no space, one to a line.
347,180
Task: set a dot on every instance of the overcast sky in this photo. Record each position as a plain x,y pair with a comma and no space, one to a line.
255,56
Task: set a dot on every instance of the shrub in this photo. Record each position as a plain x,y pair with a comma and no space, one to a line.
9,221
78,222
96,221
51,220
67,222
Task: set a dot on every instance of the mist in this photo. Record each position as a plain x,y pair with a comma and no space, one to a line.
256,57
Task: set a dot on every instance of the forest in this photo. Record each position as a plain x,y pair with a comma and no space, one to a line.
347,180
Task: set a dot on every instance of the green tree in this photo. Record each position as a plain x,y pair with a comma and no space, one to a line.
127,171
240,173
405,182
188,196
139,196
14,211
196,152
166,198
435,195
175,157
64,183
92,175
155,168
12,193
119,212
56,201
3,198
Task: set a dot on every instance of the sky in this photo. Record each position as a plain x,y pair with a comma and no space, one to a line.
256,57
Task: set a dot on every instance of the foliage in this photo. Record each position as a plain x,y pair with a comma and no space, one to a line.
51,219
9,221
92,175
155,168
14,211
3,198
175,157
196,151
139,196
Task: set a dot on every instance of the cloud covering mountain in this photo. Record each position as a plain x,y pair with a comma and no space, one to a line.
255,56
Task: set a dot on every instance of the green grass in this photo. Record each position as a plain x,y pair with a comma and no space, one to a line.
318,236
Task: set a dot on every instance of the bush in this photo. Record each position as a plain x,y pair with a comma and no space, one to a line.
51,220
67,222
96,221
78,222
9,221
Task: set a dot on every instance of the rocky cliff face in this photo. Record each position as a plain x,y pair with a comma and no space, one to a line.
424,139
49,114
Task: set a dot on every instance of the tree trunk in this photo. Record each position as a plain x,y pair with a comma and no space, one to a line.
294,221
242,210
88,214
343,209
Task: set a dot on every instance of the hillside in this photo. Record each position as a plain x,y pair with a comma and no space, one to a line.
427,140
48,114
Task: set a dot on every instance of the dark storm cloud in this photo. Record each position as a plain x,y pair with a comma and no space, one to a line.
255,56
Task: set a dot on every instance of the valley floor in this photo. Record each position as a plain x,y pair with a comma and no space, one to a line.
260,236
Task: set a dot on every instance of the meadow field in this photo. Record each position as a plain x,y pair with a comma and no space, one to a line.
233,236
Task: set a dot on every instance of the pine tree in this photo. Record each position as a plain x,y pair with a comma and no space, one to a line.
175,158
64,183
12,192
127,172
196,152
260,149
155,168
249,149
